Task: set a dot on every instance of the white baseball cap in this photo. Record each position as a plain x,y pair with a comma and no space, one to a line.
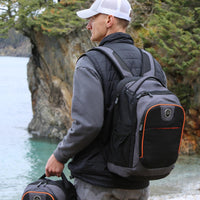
118,8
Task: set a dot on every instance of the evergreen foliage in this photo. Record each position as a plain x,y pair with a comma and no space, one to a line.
40,15
171,32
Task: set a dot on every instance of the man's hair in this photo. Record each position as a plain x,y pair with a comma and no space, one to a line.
122,22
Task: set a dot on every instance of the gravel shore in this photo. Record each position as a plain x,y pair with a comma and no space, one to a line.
182,197
190,192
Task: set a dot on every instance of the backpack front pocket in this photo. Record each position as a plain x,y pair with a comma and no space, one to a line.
161,135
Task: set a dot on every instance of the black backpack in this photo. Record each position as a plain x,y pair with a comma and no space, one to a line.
47,189
148,123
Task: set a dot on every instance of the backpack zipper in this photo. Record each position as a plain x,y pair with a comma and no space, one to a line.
145,93
151,93
142,94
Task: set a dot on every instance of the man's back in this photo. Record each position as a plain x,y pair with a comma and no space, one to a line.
90,164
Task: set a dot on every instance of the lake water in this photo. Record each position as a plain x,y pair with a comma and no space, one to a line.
23,158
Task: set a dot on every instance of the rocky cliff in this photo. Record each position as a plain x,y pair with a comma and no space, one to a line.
50,78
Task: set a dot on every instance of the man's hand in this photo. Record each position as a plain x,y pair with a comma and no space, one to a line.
53,167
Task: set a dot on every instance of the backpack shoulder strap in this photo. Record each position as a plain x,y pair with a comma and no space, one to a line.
116,60
148,65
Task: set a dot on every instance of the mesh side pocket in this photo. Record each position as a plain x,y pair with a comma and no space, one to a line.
161,137
121,140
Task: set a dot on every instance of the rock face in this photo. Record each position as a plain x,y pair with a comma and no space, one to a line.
191,142
50,77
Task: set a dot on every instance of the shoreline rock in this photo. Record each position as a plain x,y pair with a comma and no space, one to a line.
21,51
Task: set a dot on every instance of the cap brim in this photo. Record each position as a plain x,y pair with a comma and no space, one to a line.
87,13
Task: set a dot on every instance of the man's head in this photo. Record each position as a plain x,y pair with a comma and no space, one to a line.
106,17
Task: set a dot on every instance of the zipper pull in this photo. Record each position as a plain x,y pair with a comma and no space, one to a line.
45,184
141,127
149,93
142,94
38,185
116,100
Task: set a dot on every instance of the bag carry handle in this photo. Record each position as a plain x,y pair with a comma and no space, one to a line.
69,187
64,178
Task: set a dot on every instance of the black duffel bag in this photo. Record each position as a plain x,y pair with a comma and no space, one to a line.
47,189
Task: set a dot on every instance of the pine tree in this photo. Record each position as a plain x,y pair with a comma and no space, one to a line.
40,15
172,34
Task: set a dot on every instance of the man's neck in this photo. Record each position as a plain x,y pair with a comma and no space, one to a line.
116,30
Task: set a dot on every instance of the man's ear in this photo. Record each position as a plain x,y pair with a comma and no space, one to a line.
110,21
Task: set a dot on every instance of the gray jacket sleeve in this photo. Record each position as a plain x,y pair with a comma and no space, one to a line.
87,111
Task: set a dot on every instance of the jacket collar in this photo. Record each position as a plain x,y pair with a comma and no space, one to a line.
118,37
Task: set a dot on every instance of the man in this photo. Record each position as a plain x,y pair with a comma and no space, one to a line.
95,80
